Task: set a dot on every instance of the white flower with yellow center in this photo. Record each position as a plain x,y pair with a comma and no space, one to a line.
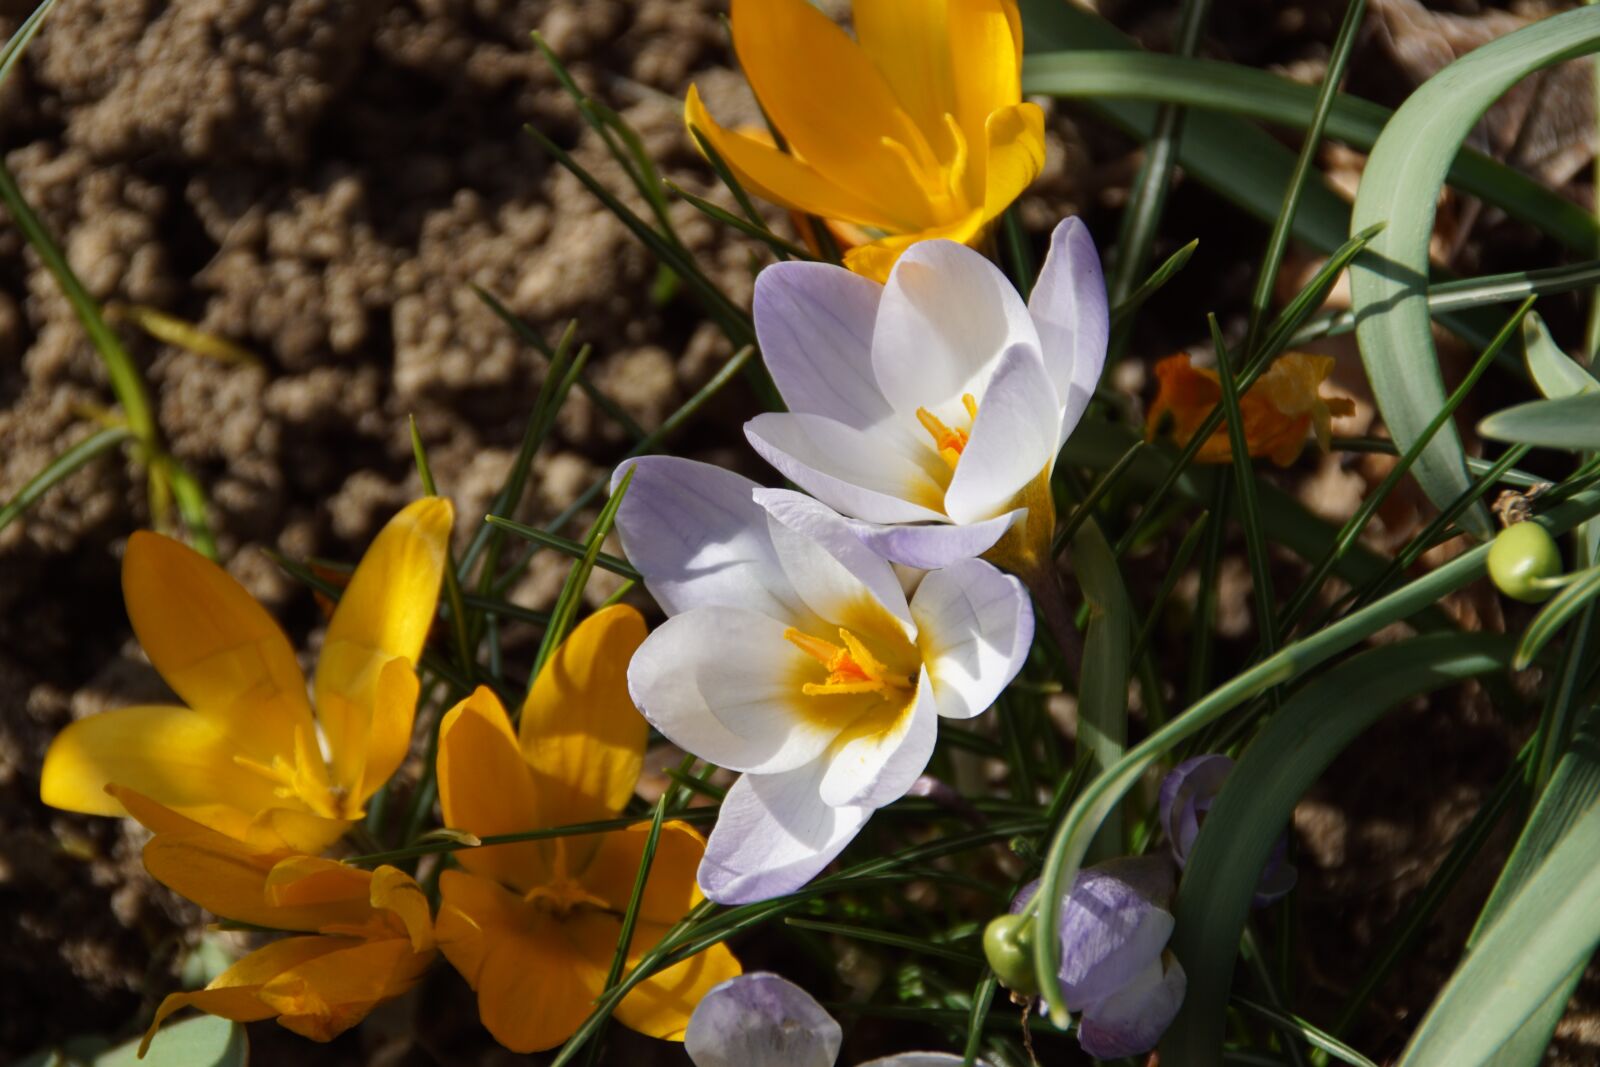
792,655
930,409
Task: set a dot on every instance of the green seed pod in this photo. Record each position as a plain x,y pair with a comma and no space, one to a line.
1008,946
1520,557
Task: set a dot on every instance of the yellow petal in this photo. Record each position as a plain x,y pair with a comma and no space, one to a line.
384,614
670,891
229,878
234,994
395,891
215,646
908,41
323,997
534,985
301,881
831,105
986,42
485,788
296,830
1015,138
580,732
179,758
781,178
659,1006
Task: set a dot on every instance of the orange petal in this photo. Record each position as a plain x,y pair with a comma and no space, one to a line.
395,891
229,878
384,614
986,43
217,648
659,1006
485,788
1015,139
669,892
323,997
580,732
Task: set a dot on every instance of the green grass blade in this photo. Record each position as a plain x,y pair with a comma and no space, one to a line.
1152,285
1314,725
1298,1027
1557,613
1107,644
565,545
784,249
60,468
1401,186
1245,482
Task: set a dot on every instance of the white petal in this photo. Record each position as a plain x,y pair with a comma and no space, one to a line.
876,768
974,626
946,315
724,684
699,539
814,322
761,1020
861,473
1013,439
1068,307
934,545
827,563
773,835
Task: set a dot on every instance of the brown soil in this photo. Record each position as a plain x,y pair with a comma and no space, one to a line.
318,181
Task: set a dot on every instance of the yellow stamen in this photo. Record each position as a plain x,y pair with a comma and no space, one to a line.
852,668
956,169
949,442
304,779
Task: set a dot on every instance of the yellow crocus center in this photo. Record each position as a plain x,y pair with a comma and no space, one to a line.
852,668
305,778
563,896
950,441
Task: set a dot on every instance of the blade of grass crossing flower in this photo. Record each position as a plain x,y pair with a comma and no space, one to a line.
1082,820
1354,526
1401,185
1249,510
565,545
1278,242
1152,285
1107,642
1313,726
58,469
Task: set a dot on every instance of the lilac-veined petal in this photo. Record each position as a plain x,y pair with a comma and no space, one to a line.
724,683
1013,439
814,322
828,565
1186,795
946,315
861,473
933,545
1068,306
699,539
874,762
773,835
974,626
1131,1021
761,1020
1113,925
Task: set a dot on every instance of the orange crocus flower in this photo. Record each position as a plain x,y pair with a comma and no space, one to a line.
533,926
1278,411
914,129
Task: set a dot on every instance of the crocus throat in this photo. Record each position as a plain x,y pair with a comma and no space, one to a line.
305,779
851,667
947,441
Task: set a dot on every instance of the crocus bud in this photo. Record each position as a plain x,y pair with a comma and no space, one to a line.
1187,795
1115,969
761,1020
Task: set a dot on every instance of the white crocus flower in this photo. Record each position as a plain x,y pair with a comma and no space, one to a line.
792,655
762,1020
930,410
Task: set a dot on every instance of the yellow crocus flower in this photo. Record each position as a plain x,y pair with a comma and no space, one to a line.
244,753
915,129
1278,410
533,926
368,935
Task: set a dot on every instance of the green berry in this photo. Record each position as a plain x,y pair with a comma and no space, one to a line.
1520,558
1008,946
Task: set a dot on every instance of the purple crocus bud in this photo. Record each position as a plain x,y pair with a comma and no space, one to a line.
761,1020
1115,969
1186,797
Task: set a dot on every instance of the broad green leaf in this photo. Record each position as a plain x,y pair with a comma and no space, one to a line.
1302,739
1573,422
1401,186
1554,372
1103,689
205,1041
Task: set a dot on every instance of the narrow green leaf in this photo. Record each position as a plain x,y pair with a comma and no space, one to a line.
1401,185
1553,371
1314,725
58,469
1152,285
565,545
1107,642
1572,422
1554,615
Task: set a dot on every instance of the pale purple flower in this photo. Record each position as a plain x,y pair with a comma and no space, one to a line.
1187,794
1115,970
762,1020
791,654
924,408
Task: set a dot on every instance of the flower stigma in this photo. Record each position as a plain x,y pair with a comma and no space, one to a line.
948,441
852,668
